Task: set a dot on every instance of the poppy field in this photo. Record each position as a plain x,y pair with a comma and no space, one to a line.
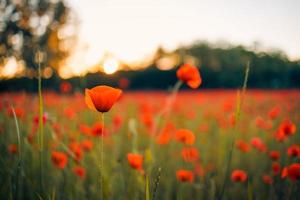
108,143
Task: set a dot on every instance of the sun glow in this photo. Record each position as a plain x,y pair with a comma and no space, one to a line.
11,68
110,66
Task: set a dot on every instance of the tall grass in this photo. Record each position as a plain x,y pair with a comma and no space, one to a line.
41,124
240,100
20,160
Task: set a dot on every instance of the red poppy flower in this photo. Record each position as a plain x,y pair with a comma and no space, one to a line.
190,154
165,136
79,171
280,136
267,179
199,170
37,118
185,175
65,87
242,146
185,136
231,119
292,171
263,124
98,130
59,159
147,119
135,160
102,98
85,129
117,121
76,150
257,143
238,176
190,75
69,113
274,112
18,111
276,168
274,155
287,128
294,151
13,148
124,83
86,145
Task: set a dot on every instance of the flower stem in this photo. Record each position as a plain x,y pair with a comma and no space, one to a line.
168,106
101,155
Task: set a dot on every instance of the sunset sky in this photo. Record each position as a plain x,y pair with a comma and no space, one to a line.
132,29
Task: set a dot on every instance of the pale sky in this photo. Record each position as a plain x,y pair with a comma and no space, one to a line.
133,29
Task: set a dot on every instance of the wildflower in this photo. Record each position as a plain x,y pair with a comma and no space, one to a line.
147,119
292,171
85,129
185,175
257,143
98,130
242,146
190,154
238,176
279,136
274,112
13,148
69,113
135,160
18,111
65,87
185,136
267,179
123,83
86,145
117,122
263,124
59,159
294,151
190,75
287,128
101,98
276,168
76,150
199,170
274,155
79,171
165,136
232,119
44,119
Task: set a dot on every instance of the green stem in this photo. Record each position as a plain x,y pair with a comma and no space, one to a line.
237,117
20,167
41,125
101,154
18,133
168,105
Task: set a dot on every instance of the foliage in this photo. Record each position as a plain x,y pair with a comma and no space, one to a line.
28,27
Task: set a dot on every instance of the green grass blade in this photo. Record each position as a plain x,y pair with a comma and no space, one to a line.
147,188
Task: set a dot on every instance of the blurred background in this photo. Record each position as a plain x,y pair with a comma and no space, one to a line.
138,44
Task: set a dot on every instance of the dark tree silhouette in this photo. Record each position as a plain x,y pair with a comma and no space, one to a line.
31,26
